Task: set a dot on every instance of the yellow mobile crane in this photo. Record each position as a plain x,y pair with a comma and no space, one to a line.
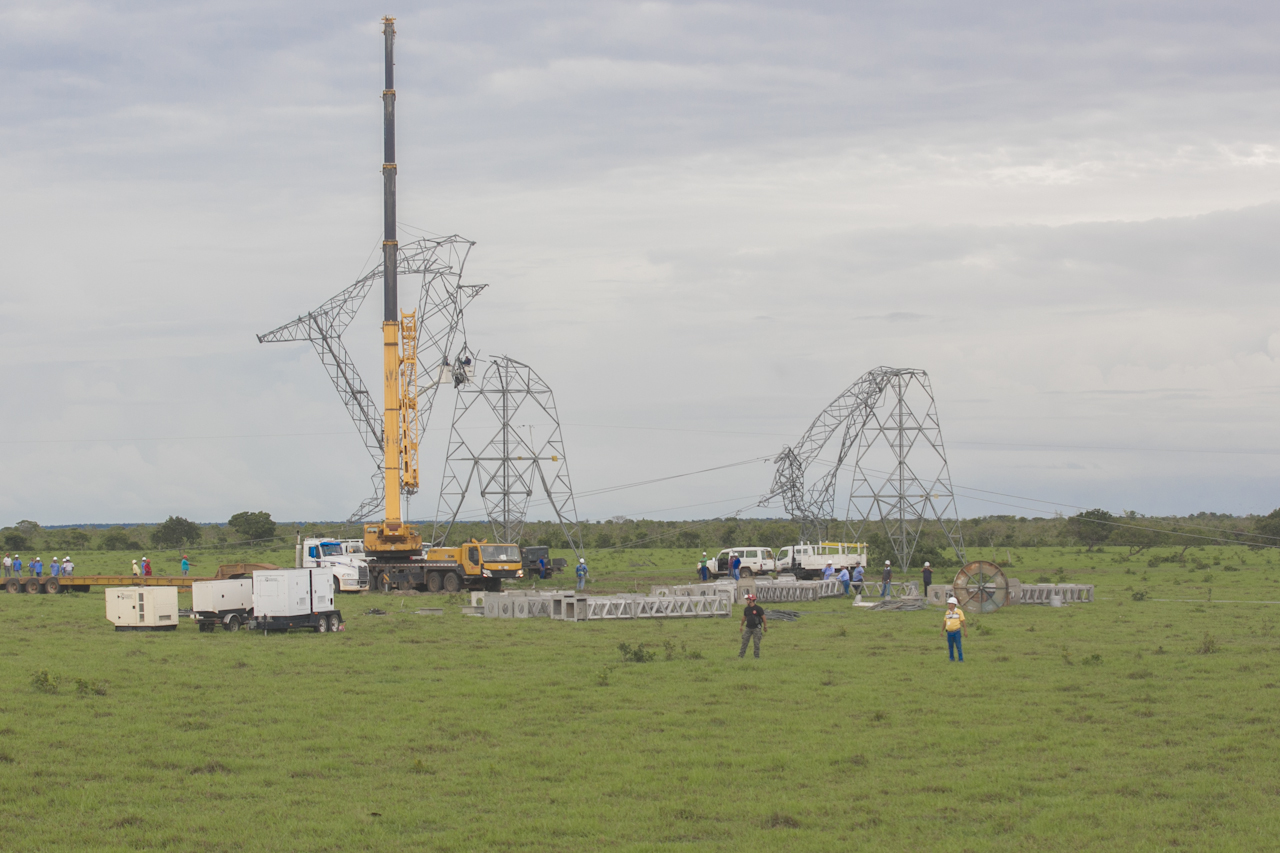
394,548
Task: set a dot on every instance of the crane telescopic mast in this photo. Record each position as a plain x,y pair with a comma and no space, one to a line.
399,349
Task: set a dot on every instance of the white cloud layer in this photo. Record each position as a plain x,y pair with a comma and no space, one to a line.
700,223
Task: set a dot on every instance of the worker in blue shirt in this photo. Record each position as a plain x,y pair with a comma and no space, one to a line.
843,577
186,566
37,567
542,567
17,565
582,573
857,579
735,567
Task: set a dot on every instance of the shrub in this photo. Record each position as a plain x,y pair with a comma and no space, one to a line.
174,532
638,654
1208,645
1140,595
253,525
45,682
1092,660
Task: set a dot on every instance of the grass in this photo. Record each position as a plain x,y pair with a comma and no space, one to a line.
1117,725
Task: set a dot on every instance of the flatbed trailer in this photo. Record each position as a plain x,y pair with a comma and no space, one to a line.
80,583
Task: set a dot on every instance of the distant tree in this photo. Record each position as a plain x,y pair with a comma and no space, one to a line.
1091,528
27,528
15,541
1269,527
175,532
253,525
118,539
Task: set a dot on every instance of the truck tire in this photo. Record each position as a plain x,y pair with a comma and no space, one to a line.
13,585
232,623
746,573
452,583
334,622
434,582
32,586
52,587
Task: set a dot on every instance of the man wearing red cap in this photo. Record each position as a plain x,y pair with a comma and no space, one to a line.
753,625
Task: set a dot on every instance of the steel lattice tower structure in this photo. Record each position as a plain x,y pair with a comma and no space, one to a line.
506,442
442,299
875,417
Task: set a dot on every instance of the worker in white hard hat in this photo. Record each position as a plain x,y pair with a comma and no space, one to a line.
953,628
885,579
137,572
704,571
927,574
828,570
582,573
67,566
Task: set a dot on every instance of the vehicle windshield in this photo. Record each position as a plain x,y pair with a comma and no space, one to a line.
355,547
500,553
330,549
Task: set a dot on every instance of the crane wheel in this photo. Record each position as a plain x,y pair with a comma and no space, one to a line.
451,582
433,582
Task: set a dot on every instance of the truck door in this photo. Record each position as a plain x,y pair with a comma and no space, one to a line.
473,558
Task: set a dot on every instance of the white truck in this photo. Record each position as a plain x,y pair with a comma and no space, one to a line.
807,561
274,600
755,561
345,557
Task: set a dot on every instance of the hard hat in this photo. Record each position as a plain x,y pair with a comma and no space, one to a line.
582,559
751,596
828,562
886,562
926,564
952,600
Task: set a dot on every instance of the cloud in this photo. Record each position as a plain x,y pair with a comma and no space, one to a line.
703,218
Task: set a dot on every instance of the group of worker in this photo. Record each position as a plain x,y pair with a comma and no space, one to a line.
143,570
13,566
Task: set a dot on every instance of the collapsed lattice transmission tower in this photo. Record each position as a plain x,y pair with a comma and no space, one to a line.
441,301
888,422
506,444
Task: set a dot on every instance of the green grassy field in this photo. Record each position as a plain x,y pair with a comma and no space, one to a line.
1119,725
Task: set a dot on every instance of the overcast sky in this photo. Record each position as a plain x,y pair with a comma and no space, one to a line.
699,223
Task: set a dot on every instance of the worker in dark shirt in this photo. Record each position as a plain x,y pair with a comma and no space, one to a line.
753,625
928,578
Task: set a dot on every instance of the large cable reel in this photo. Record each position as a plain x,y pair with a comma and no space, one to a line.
981,587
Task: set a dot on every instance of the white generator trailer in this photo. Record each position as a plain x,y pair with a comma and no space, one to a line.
294,598
228,603
143,608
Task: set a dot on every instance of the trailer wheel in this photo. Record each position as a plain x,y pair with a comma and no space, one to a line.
451,582
232,623
13,585
52,587
334,622
322,626
32,586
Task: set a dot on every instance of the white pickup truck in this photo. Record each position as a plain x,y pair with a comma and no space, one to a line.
344,556
807,561
755,561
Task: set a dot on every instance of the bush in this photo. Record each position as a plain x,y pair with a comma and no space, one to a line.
15,541
117,539
45,682
1140,595
1208,645
639,654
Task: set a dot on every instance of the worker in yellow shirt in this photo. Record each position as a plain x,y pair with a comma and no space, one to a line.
953,628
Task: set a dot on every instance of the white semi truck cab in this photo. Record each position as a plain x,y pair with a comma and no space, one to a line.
345,557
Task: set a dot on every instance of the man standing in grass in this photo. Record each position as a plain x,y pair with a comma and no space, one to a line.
828,571
186,565
857,579
37,567
753,625
8,565
886,579
927,574
582,573
843,577
952,628
704,572
17,565
735,566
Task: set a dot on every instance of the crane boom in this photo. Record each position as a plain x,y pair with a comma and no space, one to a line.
399,375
